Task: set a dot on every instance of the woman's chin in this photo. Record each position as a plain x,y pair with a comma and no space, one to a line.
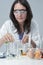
20,21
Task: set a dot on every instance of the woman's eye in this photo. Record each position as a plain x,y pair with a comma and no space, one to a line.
16,11
22,11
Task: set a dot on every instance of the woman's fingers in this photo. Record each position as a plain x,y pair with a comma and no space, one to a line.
25,39
8,38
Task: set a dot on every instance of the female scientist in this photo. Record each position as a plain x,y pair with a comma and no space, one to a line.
20,26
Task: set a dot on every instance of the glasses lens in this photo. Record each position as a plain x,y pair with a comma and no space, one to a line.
20,11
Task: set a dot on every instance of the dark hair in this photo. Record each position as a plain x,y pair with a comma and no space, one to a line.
27,24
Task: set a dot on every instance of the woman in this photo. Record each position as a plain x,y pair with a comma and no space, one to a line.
20,25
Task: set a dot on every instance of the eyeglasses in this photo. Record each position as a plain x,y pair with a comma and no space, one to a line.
22,11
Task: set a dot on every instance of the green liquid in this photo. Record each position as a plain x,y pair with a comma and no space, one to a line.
6,42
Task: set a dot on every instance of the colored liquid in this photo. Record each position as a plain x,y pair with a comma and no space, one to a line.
42,55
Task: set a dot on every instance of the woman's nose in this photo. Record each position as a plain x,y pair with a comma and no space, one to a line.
19,14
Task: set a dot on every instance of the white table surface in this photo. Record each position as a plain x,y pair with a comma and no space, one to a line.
21,61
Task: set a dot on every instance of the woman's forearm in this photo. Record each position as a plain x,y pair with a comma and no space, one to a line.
33,44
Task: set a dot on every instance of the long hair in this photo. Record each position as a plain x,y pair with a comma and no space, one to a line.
27,22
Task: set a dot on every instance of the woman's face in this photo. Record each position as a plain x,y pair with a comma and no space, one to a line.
20,13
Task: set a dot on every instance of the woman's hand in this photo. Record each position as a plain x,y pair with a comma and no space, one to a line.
7,38
25,39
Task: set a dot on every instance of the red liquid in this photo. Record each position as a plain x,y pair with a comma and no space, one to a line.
42,54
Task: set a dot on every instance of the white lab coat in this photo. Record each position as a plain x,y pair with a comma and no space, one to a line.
8,27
